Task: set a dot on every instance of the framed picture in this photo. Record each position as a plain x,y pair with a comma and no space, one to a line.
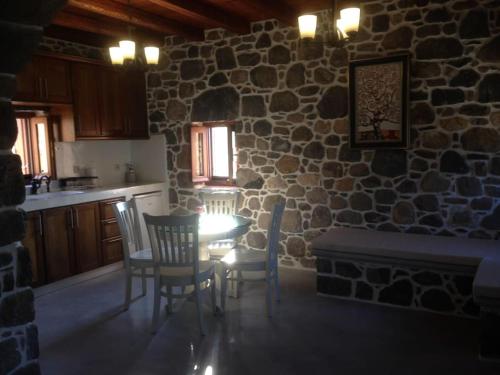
378,102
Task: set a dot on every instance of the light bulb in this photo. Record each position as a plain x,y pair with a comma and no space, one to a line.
350,20
116,55
152,55
307,25
128,49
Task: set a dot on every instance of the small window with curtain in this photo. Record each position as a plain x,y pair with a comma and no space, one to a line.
213,153
34,146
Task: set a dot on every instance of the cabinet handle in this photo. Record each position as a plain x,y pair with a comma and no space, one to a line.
40,225
71,218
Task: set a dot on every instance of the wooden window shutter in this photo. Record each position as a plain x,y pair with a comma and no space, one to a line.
200,153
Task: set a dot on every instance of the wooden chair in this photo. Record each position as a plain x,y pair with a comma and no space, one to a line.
244,259
137,261
220,203
174,242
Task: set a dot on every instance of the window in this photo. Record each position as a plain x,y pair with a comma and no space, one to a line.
34,146
213,153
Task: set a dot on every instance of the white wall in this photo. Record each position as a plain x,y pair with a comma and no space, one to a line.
109,159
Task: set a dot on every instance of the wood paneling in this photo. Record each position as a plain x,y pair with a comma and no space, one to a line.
187,18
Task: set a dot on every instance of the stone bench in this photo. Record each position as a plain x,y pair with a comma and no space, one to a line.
432,273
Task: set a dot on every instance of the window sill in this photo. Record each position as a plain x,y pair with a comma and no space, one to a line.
203,187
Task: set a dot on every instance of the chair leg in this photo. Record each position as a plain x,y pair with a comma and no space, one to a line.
144,282
269,298
170,300
213,291
277,285
223,290
199,306
156,306
128,289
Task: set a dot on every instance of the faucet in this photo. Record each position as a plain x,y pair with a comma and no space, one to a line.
36,183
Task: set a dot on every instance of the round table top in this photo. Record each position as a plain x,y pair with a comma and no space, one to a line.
222,227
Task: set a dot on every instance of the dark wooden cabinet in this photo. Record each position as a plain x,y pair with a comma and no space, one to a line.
45,80
112,111
85,79
87,239
134,103
112,250
58,224
33,241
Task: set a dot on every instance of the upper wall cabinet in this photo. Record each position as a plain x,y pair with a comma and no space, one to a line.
45,80
109,103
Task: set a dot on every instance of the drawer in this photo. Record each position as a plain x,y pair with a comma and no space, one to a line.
106,208
112,250
110,229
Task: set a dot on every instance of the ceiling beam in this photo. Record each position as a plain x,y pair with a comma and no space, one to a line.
137,17
111,29
277,9
205,13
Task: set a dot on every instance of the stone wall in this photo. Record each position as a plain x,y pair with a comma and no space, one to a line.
291,103
20,32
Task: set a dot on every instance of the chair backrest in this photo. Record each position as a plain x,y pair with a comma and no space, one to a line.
127,222
274,232
174,240
220,203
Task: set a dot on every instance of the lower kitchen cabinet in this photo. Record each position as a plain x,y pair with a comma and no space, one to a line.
58,241
87,239
33,241
65,241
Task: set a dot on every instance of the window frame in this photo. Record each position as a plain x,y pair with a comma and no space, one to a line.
31,146
208,178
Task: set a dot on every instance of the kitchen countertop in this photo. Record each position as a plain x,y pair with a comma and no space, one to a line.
71,197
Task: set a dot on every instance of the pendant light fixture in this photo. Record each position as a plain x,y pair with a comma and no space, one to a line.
125,51
344,27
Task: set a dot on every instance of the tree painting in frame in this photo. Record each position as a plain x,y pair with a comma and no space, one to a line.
378,90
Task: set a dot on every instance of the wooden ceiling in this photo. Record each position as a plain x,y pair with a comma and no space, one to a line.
101,22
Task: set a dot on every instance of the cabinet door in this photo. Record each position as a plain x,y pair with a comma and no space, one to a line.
85,84
111,109
55,78
34,243
58,241
87,237
136,105
112,250
28,86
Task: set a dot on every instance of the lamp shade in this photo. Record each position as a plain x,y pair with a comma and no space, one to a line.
350,20
116,55
128,49
307,25
152,55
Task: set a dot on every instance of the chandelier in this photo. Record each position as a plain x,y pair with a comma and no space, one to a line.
344,27
125,51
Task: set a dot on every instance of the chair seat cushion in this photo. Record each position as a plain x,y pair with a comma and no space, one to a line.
145,254
245,256
206,269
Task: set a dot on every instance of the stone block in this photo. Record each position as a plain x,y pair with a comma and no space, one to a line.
19,42
12,190
17,309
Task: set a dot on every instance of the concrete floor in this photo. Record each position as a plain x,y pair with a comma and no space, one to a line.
83,331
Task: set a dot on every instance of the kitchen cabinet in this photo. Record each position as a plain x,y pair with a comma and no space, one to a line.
109,103
134,103
33,241
85,80
86,230
112,250
45,80
58,226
